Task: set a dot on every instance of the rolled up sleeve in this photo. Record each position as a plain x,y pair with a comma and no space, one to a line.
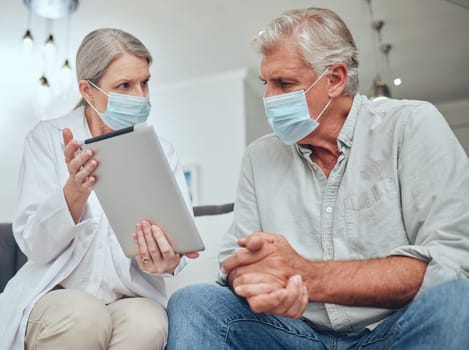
434,182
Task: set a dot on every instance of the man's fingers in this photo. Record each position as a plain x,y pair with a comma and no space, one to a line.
253,252
268,303
297,298
256,240
254,243
251,290
242,242
242,277
290,301
298,308
240,258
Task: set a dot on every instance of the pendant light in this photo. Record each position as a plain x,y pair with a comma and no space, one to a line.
379,88
50,10
28,37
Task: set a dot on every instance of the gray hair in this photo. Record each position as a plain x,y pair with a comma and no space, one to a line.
100,48
322,37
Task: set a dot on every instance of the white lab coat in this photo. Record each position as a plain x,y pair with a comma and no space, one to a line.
46,233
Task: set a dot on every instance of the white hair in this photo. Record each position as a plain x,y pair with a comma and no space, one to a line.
100,48
321,35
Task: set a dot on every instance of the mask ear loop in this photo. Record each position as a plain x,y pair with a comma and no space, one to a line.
324,109
90,104
318,79
324,73
94,108
97,87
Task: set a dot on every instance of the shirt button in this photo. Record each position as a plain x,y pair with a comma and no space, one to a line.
329,209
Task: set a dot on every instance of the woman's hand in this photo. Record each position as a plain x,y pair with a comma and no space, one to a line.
80,181
154,252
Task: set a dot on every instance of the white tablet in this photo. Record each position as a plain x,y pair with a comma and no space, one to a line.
135,182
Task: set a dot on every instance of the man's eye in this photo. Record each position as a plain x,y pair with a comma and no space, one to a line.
284,84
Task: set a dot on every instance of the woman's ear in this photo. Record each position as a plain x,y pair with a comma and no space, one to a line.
85,90
338,75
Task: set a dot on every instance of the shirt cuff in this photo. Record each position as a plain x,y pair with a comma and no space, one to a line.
439,269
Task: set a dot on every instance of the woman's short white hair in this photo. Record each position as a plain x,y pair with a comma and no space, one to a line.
100,48
322,36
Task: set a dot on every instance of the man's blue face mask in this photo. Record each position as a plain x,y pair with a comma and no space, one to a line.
288,114
123,110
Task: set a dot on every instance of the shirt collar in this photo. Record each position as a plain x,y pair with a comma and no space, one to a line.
345,137
344,140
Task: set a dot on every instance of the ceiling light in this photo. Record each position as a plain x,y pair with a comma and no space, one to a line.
66,65
52,8
49,10
43,81
50,50
379,90
28,42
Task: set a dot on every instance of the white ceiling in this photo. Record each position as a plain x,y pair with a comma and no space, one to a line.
190,39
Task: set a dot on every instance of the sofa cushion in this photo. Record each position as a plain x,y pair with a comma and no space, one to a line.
8,249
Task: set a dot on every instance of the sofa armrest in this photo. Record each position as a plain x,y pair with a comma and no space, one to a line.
11,258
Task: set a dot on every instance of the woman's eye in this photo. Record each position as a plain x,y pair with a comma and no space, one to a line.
124,86
145,82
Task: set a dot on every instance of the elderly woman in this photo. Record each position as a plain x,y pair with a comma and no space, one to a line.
78,290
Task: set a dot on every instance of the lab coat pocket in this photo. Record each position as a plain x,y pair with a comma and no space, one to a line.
373,220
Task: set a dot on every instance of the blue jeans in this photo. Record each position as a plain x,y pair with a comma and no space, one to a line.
212,317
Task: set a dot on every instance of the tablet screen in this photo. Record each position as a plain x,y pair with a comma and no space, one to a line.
135,182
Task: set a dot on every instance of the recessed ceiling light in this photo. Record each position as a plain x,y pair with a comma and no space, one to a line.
397,81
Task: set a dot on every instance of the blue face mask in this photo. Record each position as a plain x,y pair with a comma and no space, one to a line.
123,110
288,114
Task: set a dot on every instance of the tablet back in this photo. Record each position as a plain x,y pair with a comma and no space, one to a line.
135,182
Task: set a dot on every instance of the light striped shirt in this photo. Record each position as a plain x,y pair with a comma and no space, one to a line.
399,187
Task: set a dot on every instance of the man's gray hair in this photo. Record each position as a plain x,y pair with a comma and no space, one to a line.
322,37
100,48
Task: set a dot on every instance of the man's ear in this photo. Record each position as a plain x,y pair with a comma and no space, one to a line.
85,90
338,76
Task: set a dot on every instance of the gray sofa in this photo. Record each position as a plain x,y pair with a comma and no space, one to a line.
11,257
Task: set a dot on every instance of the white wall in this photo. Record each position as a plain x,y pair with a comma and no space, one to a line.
457,115
256,121
204,119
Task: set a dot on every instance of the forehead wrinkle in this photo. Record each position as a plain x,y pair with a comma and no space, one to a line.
283,58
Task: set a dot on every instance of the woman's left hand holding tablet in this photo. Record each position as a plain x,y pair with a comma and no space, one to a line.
80,181
155,254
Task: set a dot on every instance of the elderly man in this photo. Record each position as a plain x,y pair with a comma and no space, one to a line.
351,223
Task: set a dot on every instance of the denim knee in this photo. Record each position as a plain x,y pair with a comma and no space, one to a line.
194,302
438,319
192,296
449,298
